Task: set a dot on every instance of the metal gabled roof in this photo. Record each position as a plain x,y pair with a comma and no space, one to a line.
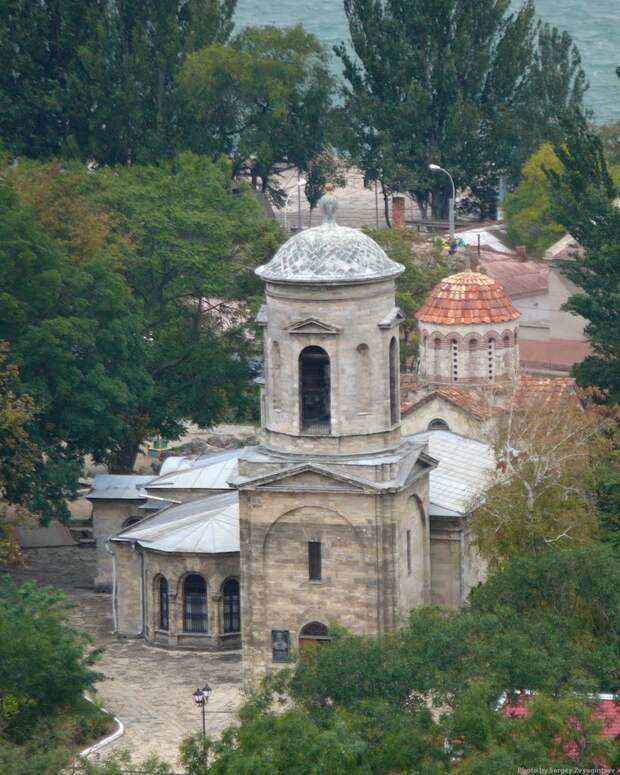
124,487
204,526
463,473
208,472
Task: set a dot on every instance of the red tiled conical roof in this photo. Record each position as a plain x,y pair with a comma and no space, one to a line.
467,297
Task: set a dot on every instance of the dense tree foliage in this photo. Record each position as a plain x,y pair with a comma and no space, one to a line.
96,79
264,100
55,193
424,699
45,665
453,83
19,457
75,333
191,248
527,208
583,196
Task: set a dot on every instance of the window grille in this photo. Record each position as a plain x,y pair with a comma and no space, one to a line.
230,599
164,621
314,560
194,604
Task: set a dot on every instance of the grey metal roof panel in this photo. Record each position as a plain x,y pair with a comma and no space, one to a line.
208,472
126,487
463,473
204,526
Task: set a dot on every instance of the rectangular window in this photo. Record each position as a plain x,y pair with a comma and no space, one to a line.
314,560
409,552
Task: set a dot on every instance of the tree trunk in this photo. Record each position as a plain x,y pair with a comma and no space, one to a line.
439,203
386,205
123,460
421,199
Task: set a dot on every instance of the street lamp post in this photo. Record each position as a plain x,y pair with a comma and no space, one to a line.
301,182
201,698
451,203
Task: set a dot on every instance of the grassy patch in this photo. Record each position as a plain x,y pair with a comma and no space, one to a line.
74,728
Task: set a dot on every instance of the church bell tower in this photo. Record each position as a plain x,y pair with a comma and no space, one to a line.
333,502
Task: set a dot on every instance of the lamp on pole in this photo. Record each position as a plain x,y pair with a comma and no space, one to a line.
201,698
301,182
451,203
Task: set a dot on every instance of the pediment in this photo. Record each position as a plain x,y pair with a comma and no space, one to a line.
394,318
307,478
313,326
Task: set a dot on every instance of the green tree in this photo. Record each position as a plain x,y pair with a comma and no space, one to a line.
610,137
264,100
55,192
96,79
19,457
583,194
191,251
527,208
557,732
39,62
45,664
425,265
75,334
363,704
447,83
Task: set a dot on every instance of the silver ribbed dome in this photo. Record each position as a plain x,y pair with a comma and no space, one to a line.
329,254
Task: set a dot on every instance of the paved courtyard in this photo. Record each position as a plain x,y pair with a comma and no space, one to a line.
149,689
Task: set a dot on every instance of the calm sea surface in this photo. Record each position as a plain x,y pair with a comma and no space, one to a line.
593,24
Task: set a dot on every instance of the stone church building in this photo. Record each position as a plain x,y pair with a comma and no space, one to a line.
345,513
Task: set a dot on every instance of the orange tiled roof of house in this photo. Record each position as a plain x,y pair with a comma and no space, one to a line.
540,390
467,297
518,277
484,402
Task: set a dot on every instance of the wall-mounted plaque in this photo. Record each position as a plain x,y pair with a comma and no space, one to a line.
280,644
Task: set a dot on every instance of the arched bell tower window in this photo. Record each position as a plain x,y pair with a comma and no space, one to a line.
394,374
314,390
363,378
